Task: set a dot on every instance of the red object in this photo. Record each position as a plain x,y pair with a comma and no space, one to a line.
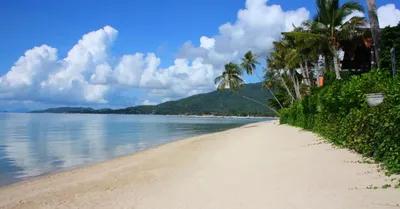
368,42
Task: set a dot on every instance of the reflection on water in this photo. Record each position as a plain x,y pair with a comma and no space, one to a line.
35,144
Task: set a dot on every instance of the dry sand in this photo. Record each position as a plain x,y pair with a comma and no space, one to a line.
261,165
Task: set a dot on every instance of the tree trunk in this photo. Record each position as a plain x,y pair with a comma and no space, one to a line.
317,73
286,87
326,63
336,63
297,88
261,104
295,85
308,74
272,93
375,29
303,73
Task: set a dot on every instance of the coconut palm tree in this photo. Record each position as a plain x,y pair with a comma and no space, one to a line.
276,63
249,64
330,22
375,29
272,80
231,78
308,46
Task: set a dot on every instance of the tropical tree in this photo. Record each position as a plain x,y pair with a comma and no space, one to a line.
308,47
282,96
231,78
375,29
276,64
249,64
330,24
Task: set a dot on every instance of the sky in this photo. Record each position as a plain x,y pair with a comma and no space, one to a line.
125,53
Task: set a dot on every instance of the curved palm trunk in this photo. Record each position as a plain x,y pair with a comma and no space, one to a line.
317,72
375,29
303,72
286,87
272,93
297,88
308,74
295,85
261,104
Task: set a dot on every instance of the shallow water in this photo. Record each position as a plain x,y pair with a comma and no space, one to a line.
36,144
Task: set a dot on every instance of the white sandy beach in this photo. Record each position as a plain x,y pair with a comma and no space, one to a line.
258,166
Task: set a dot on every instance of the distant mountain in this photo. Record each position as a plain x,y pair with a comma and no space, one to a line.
16,110
213,103
66,110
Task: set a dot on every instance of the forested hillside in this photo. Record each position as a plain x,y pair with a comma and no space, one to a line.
213,103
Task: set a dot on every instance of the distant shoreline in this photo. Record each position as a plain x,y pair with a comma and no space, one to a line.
194,116
219,116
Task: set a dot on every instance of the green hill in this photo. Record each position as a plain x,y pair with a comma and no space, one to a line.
66,110
213,103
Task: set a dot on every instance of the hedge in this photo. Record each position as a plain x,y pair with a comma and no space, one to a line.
339,112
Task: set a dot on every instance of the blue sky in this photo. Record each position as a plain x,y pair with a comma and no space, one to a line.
159,27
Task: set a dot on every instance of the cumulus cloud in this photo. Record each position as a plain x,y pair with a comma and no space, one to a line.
388,15
40,76
87,75
256,27
148,102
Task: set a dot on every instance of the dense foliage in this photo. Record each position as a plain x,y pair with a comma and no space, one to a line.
390,39
339,112
213,103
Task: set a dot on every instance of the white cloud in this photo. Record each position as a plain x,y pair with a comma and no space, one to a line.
86,75
388,15
206,42
256,28
148,102
166,99
102,75
40,76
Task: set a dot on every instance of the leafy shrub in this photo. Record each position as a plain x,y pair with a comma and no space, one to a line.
390,38
339,113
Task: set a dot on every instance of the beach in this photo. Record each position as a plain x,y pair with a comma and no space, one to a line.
260,165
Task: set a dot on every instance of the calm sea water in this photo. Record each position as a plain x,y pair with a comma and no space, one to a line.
37,144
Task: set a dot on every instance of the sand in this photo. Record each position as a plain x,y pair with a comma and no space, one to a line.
262,165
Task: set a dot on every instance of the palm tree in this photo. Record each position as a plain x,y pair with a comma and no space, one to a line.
329,22
273,80
249,64
276,63
307,48
375,29
230,78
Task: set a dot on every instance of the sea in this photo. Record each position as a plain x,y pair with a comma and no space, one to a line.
36,144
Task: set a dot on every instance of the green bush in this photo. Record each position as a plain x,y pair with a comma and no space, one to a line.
339,112
390,38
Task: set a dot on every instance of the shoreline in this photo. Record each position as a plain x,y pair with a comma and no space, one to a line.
63,170
209,171
183,115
